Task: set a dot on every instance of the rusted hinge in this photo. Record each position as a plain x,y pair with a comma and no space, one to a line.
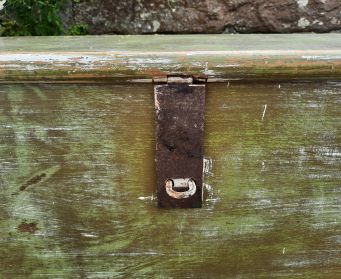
179,105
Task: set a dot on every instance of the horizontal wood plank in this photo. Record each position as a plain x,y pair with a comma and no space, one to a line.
142,58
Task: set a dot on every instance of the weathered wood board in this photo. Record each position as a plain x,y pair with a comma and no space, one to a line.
142,58
77,184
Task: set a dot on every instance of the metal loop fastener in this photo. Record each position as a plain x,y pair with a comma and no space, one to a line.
180,188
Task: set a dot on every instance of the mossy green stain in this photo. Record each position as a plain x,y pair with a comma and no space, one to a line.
267,221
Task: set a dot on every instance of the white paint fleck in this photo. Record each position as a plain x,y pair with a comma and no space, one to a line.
227,65
211,73
58,129
264,111
299,263
156,25
263,202
148,198
263,167
134,254
211,199
333,152
206,67
208,163
207,71
208,188
315,57
211,232
303,22
146,61
52,58
89,235
302,3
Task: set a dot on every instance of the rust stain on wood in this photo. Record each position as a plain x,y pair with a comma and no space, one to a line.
27,227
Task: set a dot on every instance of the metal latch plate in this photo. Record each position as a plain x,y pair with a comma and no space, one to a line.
179,142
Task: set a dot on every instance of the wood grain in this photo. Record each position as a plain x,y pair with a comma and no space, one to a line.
272,184
142,58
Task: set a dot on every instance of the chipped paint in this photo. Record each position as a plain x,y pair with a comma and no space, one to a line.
218,61
208,166
316,57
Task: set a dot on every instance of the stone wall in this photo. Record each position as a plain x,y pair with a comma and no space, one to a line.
206,16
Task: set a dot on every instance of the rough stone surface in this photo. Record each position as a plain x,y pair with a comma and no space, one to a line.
208,16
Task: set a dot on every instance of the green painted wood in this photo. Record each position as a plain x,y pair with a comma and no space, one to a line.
131,58
77,184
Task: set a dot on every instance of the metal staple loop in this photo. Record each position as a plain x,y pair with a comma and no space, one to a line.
180,184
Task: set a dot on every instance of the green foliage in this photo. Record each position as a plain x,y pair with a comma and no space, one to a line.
78,29
31,17
9,28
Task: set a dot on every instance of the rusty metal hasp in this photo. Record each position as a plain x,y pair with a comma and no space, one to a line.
179,106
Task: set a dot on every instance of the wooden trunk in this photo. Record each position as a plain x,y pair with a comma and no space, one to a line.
77,149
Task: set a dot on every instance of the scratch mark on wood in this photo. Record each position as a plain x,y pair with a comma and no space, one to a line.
40,177
34,180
